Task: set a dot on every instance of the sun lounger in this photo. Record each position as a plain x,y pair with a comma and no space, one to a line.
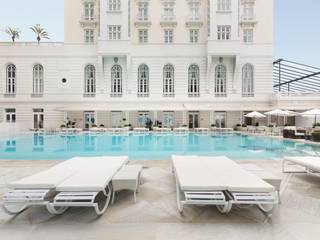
39,188
42,188
196,184
310,165
220,181
89,187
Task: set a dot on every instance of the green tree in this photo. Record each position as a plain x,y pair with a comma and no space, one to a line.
14,33
40,32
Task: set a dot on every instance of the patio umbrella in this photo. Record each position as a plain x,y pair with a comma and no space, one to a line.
277,112
254,115
313,112
288,113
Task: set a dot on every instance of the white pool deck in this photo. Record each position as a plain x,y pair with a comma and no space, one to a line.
155,215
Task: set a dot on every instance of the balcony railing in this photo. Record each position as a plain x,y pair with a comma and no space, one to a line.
194,21
142,21
248,19
168,18
87,20
193,95
168,21
143,95
168,94
116,94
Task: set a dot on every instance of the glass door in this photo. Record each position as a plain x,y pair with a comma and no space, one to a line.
193,120
168,119
89,119
116,119
220,119
142,119
38,118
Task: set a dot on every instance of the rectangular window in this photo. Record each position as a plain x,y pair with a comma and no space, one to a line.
248,35
224,5
194,35
89,36
248,11
114,32
10,115
194,9
143,11
89,11
114,5
168,11
143,36
224,32
168,36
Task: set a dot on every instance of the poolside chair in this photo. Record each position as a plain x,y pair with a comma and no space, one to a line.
310,165
220,181
89,187
244,187
197,185
41,189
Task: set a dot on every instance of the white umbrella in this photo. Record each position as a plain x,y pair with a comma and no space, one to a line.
277,112
255,115
313,112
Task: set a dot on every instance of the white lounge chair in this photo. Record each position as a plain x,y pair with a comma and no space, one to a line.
89,187
310,165
196,184
41,189
244,188
220,181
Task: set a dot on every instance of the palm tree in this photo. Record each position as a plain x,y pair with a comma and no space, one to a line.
13,32
40,32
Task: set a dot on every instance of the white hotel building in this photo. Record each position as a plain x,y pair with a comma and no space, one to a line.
179,62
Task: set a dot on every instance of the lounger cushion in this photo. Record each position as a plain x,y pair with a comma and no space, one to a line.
193,175
235,177
49,178
216,174
55,175
95,177
310,162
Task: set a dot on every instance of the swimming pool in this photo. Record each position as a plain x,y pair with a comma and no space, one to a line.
149,147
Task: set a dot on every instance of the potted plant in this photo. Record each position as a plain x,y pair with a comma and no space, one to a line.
316,136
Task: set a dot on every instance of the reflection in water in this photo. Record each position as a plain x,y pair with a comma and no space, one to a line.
150,147
38,143
11,146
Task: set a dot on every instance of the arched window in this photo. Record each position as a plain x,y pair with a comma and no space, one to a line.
168,80
247,81
38,76
194,81
89,80
220,81
143,81
116,81
11,79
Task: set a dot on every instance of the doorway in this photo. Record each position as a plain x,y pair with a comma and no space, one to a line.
193,120
38,118
117,119
89,119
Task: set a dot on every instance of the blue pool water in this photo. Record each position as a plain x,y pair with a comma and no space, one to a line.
149,147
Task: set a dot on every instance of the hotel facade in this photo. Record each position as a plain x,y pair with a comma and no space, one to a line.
175,62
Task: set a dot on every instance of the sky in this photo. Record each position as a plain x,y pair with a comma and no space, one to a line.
296,25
